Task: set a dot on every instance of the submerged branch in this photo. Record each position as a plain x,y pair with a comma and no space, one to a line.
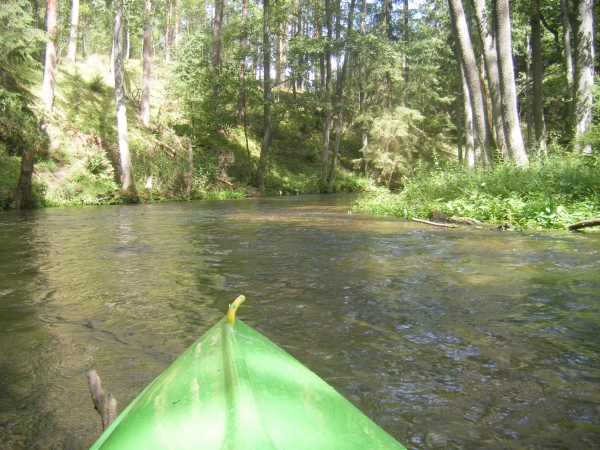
437,224
105,403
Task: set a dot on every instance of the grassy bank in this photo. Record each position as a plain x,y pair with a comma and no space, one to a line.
81,164
552,193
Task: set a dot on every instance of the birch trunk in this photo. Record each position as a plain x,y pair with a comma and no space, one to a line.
512,127
461,32
72,49
145,108
128,181
50,63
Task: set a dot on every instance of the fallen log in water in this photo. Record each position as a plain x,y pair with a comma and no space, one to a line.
585,223
436,224
105,403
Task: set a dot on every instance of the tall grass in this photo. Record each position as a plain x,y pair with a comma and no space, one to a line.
552,193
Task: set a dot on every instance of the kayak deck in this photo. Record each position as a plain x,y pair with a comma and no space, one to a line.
235,389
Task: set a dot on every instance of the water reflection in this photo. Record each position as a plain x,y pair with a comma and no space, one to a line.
464,338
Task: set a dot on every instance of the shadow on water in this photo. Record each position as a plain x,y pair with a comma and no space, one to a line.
446,338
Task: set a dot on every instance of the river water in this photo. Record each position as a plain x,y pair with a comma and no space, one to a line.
447,338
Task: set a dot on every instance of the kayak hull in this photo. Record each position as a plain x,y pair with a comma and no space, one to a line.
235,389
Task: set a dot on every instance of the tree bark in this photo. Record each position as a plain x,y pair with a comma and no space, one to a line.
168,31
264,150
219,11
145,108
568,54
340,93
190,174
105,403
50,63
128,182
528,100
241,103
584,71
328,105
510,115
72,49
538,74
469,158
24,199
461,32
362,76
490,58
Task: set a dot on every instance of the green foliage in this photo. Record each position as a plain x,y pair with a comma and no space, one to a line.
391,149
550,194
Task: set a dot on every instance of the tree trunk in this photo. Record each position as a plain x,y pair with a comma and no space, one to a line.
219,7
168,31
264,151
512,128
72,49
145,109
566,32
584,71
241,103
340,93
528,100
328,106
492,72
24,199
128,181
467,119
50,64
538,74
362,76
461,32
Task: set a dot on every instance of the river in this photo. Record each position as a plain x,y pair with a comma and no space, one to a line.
447,338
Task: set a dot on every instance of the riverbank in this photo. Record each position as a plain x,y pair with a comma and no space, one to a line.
78,163
552,193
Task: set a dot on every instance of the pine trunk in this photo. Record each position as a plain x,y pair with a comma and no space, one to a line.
72,49
24,199
264,151
145,109
328,106
512,127
50,63
538,74
128,181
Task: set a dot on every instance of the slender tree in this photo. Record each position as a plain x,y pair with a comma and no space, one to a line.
463,39
568,54
264,150
510,115
72,49
537,74
583,28
50,63
339,95
145,108
490,58
128,181
328,106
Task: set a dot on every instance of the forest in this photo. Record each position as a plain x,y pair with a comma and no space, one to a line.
468,108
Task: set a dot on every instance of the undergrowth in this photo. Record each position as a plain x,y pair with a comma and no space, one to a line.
552,193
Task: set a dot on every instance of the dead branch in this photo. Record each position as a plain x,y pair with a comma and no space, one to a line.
437,224
585,224
226,182
105,403
170,150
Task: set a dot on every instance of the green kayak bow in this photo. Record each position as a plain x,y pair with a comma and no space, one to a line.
235,389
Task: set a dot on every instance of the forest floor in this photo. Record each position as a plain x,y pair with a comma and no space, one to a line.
81,165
